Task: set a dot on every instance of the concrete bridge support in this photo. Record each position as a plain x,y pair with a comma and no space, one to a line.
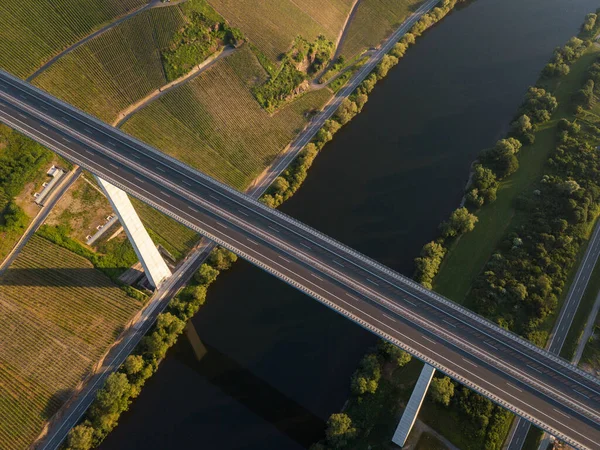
414,405
155,268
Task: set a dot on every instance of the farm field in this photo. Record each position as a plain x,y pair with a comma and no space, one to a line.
52,330
214,123
33,31
117,68
273,25
374,21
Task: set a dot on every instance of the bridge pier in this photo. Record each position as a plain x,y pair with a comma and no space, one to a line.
155,268
414,405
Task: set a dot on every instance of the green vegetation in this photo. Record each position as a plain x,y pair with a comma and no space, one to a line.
117,68
21,161
58,315
203,34
374,20
274,25
289,80
126,384
36,30
214,123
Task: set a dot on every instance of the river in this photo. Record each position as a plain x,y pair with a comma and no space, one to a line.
278,363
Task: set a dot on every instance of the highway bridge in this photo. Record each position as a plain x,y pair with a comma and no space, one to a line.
542,388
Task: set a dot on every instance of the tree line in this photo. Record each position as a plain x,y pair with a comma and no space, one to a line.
122,386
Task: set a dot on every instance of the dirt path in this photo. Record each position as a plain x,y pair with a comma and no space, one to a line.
150,5
155,95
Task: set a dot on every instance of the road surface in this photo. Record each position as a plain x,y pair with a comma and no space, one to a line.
531,382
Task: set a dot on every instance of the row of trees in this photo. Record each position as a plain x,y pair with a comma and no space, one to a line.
126,384
520,285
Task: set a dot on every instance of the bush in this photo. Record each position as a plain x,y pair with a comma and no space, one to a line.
441,390
428,263
366,378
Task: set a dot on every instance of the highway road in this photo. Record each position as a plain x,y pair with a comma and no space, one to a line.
531,382
563,323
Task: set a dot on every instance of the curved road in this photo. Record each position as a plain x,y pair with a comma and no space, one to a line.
541,387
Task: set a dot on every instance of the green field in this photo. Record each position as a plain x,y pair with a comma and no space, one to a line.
117,68
469,254
35,30
214,123
273,25
58,315
374,21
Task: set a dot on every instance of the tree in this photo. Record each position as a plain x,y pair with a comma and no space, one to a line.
428,263
221,258
442,390
461,221
110,401
206,274
393,353
14,217
133,364
387,62
366,378
484,186
80,438
590,22
585,96
502,157
347,110
339,430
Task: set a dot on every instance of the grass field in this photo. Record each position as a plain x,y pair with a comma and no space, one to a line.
273,25
469,254
117,68
374,21
57,316
214,123
35,30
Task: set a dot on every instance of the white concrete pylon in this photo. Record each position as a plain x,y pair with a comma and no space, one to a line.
155,268
409,416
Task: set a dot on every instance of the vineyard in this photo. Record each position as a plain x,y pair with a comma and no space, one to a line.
273,25
33,31
214,123
117,68
374,21
57,316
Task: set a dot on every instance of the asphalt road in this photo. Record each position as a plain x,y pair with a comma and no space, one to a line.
548,391
563,323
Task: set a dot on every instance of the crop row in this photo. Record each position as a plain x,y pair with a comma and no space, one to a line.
214,124
36,30
117,68
57,317
374,20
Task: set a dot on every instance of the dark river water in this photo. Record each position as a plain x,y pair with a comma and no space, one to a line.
279,363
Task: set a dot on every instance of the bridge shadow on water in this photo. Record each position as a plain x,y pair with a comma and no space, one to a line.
267,402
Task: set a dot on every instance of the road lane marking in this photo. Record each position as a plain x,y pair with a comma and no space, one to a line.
113,165
470,362
214,197
66,119
581,393
193,209
391,318
165,194
251,241
352,296
531,367
65,139
451,324
338,263
371,281
408,301
493,346
427,339
285,259
304,245
221,225
317,277
44,128
160,169
561,413
186,183
23,116
242,212
137,179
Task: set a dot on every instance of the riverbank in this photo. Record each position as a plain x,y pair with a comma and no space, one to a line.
489,424
405,179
